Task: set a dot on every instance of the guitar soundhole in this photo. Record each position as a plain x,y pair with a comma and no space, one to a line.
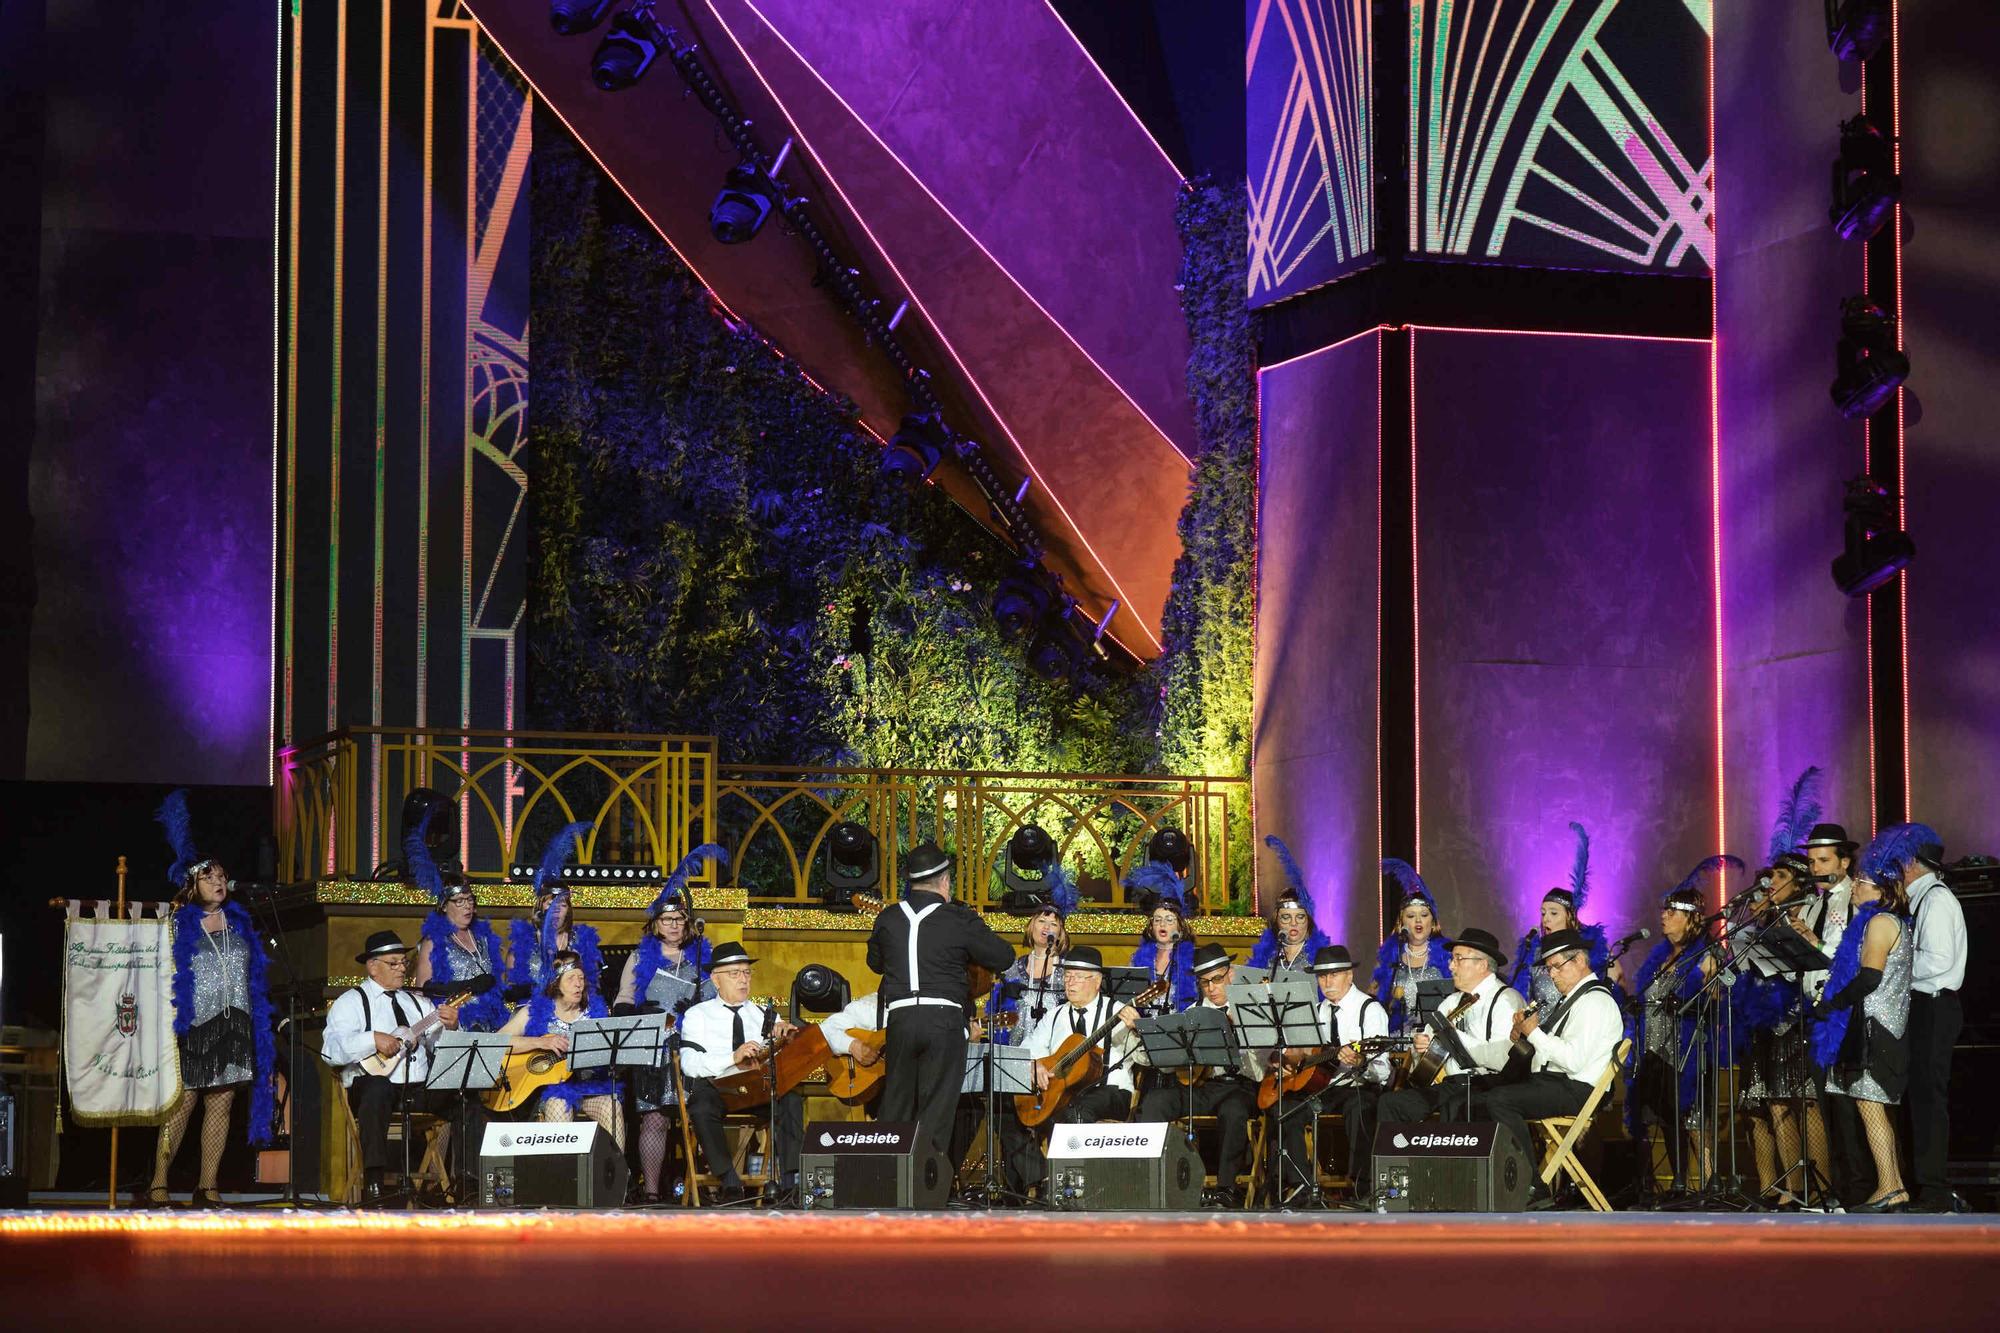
540,1064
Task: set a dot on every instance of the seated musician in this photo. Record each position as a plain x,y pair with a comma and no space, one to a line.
543,1024
1345,1015
734,1036
1085,1010
379,1017
1572,1044
1230,1095
1481,1012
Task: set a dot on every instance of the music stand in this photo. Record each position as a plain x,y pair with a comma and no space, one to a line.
462,1063
1276,1015
1122,985
1249,973
1187,1040
632,1041
1430,997
993,1069
1780,953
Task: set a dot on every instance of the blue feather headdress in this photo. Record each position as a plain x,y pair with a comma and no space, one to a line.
1889,849
1797,816
548,875
1060,888
1578,891
174,818
417,856
1156,882
676,886
1689,889
1295,878
1414,888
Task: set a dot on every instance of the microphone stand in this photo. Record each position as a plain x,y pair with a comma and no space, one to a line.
263,902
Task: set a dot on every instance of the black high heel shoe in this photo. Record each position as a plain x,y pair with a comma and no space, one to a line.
205,1199
1899,1202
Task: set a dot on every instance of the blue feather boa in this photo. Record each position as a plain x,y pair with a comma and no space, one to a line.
1388,958
1524,956
1268,947
541,1013
529,952
1185,989
481,1013
652,956
1690,986
264,1045
1827,1036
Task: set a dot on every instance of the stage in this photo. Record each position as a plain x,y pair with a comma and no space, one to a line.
871,1270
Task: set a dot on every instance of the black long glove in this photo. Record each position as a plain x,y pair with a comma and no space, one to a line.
1853,993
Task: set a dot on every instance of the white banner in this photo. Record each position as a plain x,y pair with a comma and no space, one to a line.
1146,1138
537,1138
123,1064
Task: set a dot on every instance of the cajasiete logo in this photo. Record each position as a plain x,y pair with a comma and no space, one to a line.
1400,1141
506,1140
1116,1141
825,1140
1073,1142
1441,1141
543,1138
858,1138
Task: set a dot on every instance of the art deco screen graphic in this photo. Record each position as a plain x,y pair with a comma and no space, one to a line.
1567,133
1309,89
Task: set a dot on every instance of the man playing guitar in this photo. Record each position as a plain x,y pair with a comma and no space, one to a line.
1087,1012
1230,1095
730,1035
1482,1012
1346,1015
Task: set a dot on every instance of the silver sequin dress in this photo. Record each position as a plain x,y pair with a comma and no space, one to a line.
653,1089
1658,1082
1864,1070
1405,978
218,1049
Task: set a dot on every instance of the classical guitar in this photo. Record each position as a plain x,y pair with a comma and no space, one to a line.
522,1075
855,1083
381,1066
1075,1065
1313,1073
1427,1068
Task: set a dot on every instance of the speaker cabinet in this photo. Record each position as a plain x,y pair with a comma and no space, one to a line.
1122,1168
1439,1168
847,1164
550,1165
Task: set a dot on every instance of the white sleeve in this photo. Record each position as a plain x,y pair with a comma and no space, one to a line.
699,1026
1941,942
1041,1040
348,1039
1375,1023
859,1015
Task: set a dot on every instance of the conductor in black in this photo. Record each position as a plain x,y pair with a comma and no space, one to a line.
922,945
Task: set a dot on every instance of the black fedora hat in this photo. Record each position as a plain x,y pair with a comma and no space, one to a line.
381,944
1831,835
1208,957
1084,958
1560,941
725,954
1483,941
923,861
1332,958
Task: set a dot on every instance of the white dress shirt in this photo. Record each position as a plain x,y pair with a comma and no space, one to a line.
1483,1029
708,1025
860,1015
1581,1038
351,1026
1939,937
1060,1022
1358,1015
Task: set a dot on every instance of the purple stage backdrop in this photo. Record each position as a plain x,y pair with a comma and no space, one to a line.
1566,617
1795,650
1314,760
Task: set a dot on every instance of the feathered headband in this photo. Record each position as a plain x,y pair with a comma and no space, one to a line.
548,875
417,856
1414,888
1578,891
1889,849
1060,889
1295,878
174,818
675,889
1155,883
1796,816
1686,896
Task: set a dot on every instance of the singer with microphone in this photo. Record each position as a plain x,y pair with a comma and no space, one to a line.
1778,1088
1663,1092
1033,984
1561,910
458,946
1167,944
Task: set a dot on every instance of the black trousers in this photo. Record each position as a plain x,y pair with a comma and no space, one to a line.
1296,1166
1513,1105
1446,1101
705,1113
376,1102
925,1054
1934,1024
1232,1101
1021,1147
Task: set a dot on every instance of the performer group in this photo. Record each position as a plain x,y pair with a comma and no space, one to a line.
1818,1006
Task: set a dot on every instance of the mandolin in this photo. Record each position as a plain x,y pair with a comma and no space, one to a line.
381,1066
1075,1065
1313,1073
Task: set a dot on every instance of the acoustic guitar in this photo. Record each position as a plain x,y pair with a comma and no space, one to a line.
522,1075
1310,1075
856,1084
1427,1068
1075,1065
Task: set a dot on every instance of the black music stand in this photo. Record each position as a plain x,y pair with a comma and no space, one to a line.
1122,985
462,1062
1188,1040
1430,997
1780,953
1446,1035
995,1070
630,1041
1274,1015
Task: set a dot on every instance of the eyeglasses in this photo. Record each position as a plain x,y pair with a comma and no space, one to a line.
398,963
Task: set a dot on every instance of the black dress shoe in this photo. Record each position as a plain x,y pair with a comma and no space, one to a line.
1936,1201
1899,1202
205,1199
371,1194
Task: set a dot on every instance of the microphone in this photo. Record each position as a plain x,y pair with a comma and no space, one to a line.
1175,939
1640,934
252,886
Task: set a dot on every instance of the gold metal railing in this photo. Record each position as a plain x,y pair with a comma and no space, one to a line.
339,797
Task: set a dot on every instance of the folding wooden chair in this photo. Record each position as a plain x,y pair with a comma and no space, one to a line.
1561,1134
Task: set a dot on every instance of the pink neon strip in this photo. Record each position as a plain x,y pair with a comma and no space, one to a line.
1902,435
1715,478
1294,360
1113,88
869,130
1378,620
820,162
1416,635
1564,333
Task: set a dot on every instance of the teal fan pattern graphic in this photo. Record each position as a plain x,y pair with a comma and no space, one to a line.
1568,133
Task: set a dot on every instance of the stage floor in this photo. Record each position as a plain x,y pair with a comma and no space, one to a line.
498,1271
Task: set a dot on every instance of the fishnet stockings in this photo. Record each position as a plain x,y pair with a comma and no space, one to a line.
606,1111
652,1148
1881,1131
215,1103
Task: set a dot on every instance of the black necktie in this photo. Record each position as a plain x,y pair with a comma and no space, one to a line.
396,1006
1076,1020
735,1027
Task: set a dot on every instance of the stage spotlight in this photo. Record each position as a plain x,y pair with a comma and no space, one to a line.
1057,653
741,209
1022,598
916,449
1865,184
1172,847
573,17
1868,366
1876,550
1856,29
851,861
1030,852
818,989
628,50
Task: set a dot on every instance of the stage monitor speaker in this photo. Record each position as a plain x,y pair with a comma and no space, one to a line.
571,1164
859,1164
1146,1167
1439,1168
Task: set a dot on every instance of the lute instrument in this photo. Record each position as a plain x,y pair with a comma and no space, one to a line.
379,1065
1310,1075
792,1061
1075,1065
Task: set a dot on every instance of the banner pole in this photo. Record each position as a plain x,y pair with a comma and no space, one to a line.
111,1202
